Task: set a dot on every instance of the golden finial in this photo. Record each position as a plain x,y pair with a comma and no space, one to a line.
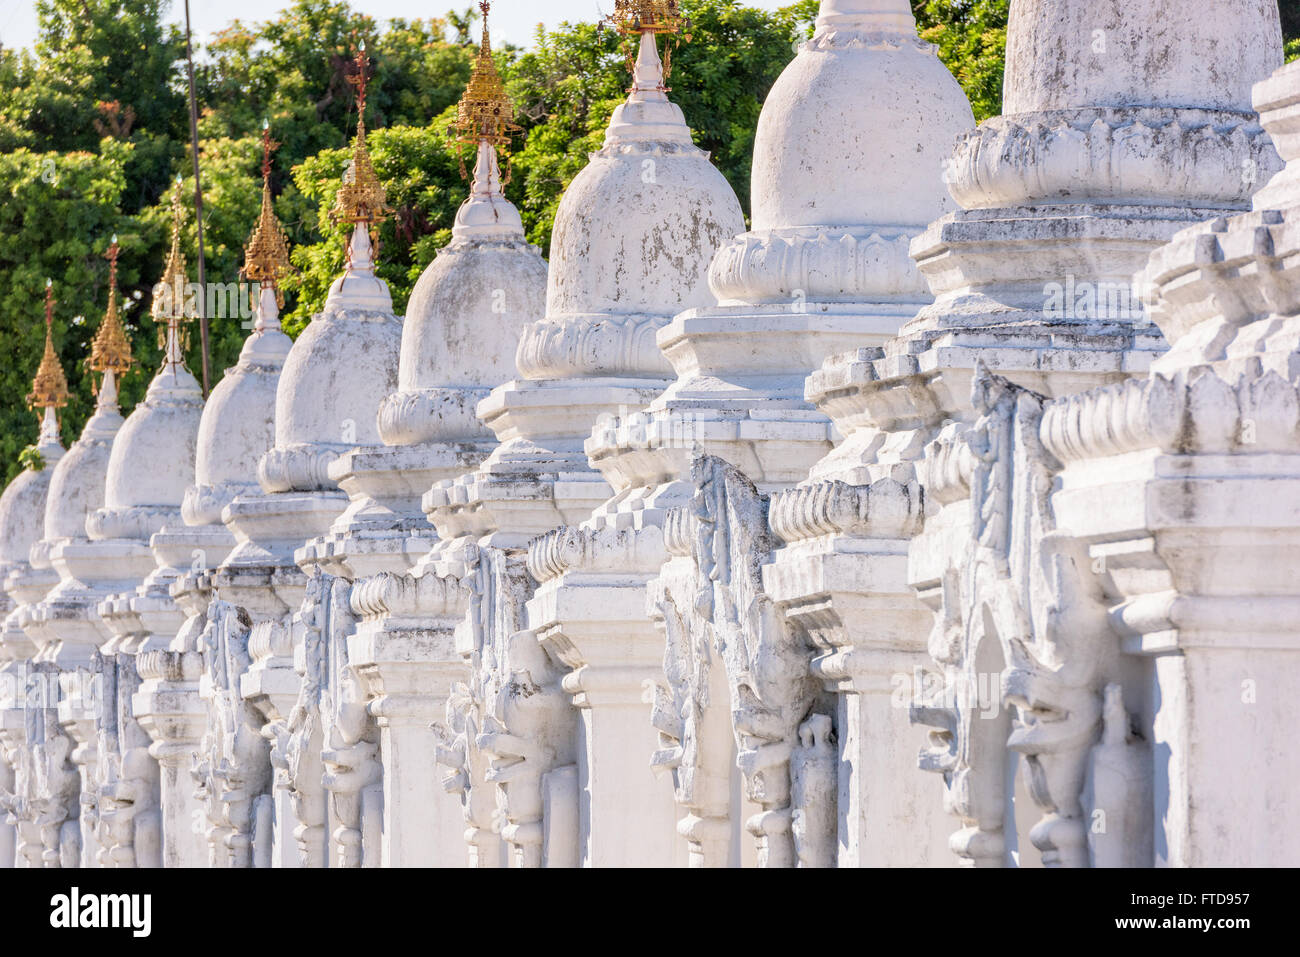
635,17
168,308
266,257
485,113
50,387
361,198
110,351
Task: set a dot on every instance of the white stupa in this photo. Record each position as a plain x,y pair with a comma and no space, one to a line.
633,238
336,375
66,624
848,163
334,378
460,337
235,431
149,471
1125,123
25,571
848,168
153,467
22,514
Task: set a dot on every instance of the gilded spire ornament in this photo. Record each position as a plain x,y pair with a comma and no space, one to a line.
485,113
50,387
169,300
635,18
110,351
266,257
361,198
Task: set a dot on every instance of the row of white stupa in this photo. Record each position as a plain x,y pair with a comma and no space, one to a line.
669,552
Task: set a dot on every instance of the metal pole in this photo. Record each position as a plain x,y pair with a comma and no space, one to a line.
198,202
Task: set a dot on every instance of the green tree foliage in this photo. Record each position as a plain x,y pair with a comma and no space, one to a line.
57,212
103,68
293,71
1290,11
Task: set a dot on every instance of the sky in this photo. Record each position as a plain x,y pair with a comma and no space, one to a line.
512,21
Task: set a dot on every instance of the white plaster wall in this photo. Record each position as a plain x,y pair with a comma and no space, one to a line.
846,133
339,370
1181,53
466,313
637,234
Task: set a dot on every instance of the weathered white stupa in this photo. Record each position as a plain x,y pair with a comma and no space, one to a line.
847,170
1064,199
336,374
460,335
150,612
26,576
1116,154
248,684
746,551
149,470
1174,498
633,237
65,624
235,431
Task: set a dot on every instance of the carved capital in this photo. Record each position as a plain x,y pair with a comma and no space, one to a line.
1136,155
885,509
298,468
597,345
817,264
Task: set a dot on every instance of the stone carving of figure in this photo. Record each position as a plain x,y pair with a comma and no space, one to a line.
729,621
232,769
56,790
352,771
1020,628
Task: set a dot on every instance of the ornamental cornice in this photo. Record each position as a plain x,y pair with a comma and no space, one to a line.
1233,271
203,504
648,147
848,38
1183,157
137,522
461,245
600,344
1196,411
406,596
886,508
169,666
300,467
269,641
945,471
818,264
424,415
571,548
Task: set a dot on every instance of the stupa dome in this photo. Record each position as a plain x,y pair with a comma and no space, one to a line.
633,238
465,317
